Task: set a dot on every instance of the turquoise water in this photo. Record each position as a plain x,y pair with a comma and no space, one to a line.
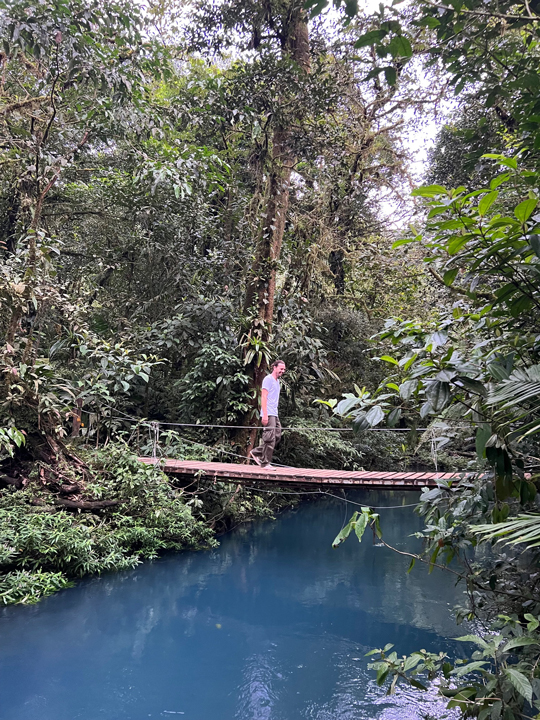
272,625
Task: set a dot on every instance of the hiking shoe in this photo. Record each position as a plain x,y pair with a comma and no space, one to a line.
269,467
255,459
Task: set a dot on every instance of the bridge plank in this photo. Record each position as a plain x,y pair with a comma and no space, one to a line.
254,473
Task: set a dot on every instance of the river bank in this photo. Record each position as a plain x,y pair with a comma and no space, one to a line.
109,513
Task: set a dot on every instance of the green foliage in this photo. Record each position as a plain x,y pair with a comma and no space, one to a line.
317,448
215,387
173,444
132,202
458,156
495,684
502,673
359,522
521,530
10,438
24,586
475,364
45,547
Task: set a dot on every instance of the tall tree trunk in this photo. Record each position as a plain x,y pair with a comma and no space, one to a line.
261,290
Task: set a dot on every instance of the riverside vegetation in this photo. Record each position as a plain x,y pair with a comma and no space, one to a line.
189,190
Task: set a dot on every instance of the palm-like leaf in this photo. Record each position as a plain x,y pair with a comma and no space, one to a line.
521,389
523,529
521,386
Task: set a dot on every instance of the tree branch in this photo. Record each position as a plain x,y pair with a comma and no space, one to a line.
459,290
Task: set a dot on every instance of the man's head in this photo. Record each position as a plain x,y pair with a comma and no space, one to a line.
278,368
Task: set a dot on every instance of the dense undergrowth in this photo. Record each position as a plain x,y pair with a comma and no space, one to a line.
44,546
107,512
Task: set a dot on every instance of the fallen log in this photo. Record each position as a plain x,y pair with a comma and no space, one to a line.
87,504
68,489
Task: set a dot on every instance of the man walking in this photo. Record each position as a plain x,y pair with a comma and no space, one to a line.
262,455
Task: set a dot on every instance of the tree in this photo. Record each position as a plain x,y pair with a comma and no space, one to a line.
70,71
458,155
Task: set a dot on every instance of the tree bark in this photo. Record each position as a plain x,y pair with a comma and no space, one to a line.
87,504
261,290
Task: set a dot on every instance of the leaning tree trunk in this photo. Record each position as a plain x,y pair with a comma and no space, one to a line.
261,290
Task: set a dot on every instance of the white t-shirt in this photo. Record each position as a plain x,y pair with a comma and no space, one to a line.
273,387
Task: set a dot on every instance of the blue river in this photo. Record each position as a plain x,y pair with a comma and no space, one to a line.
272,625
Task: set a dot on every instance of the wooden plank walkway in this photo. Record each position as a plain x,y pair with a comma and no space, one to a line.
230,472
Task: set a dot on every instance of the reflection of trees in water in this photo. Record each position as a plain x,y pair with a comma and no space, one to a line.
367,577
307,574
274,613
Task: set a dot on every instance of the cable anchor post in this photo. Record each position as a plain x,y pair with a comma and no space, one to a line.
155,441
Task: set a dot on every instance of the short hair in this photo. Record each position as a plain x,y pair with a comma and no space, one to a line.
278,362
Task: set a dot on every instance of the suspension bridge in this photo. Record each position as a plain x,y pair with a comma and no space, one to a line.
281,475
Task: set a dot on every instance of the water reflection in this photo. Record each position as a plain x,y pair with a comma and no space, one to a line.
272,625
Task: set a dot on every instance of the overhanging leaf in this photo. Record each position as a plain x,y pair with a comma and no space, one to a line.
361,525
370,38
486,202
520,642
534,242
525,209
438,394
520,683
470,667
449,276
393,417
400,47
344,532
375,415
429,191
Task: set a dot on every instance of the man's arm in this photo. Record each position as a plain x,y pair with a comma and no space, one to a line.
264,406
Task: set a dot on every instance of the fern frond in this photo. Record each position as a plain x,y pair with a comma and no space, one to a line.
523,529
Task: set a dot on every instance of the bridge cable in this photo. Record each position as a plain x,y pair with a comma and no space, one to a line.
259,427
336,497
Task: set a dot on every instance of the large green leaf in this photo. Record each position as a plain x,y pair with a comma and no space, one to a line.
483,434
375,415
400,47
393,417
534,242
523,529
390,75
450,275
344,533
429,191
520,305
520,683
474,386
361,525
520,642
525,209
407,388
438,394
470,667
501,368
360,423
486,202
457,243
370,38
522,386
345,406
474,639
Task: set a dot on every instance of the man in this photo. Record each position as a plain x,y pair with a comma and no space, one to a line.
262,455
